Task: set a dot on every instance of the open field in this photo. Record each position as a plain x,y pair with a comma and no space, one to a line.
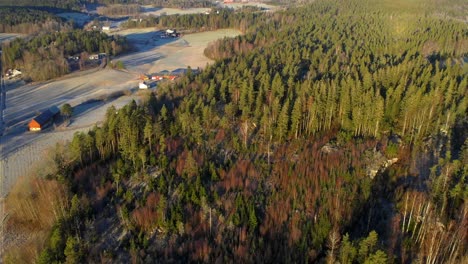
157,11
25,101
91,93
158,54
264,6
8,36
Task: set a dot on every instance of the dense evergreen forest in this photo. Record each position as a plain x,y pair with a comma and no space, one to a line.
241,19
65,4
44,57
29,21
163,3
119,10
331,132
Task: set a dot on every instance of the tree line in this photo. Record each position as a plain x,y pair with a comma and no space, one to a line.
182,3
159,3
78,4
64,4
242,19
45,56
29,21
119,10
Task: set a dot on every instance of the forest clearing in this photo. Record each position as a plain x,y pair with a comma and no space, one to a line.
156,54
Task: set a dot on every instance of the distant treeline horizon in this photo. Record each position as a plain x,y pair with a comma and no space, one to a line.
60,6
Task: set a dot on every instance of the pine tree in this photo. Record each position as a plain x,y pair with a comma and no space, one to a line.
348,252
296,117
283,121
367,246
72,251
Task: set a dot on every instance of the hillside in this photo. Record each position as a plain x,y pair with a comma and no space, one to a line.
28,21
335,131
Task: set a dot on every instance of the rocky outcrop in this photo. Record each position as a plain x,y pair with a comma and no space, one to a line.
329,148
377,162
372,172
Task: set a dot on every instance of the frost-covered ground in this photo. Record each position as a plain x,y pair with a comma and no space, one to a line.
264,6
158,54
157,11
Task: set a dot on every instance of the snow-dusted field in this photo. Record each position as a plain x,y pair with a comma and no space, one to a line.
264,6
169,54
157,11
25,101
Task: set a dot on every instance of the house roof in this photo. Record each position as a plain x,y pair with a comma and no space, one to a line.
45,116
54,110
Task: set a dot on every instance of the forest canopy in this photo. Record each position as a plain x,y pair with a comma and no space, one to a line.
330,132
29,21
218,18
64,4
79,4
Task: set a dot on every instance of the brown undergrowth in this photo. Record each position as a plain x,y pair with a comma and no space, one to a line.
33,206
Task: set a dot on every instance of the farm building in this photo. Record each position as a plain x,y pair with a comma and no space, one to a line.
157,78
147,84
99,56
13,73
44,119
171,33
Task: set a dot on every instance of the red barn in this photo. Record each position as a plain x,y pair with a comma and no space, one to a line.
44,119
